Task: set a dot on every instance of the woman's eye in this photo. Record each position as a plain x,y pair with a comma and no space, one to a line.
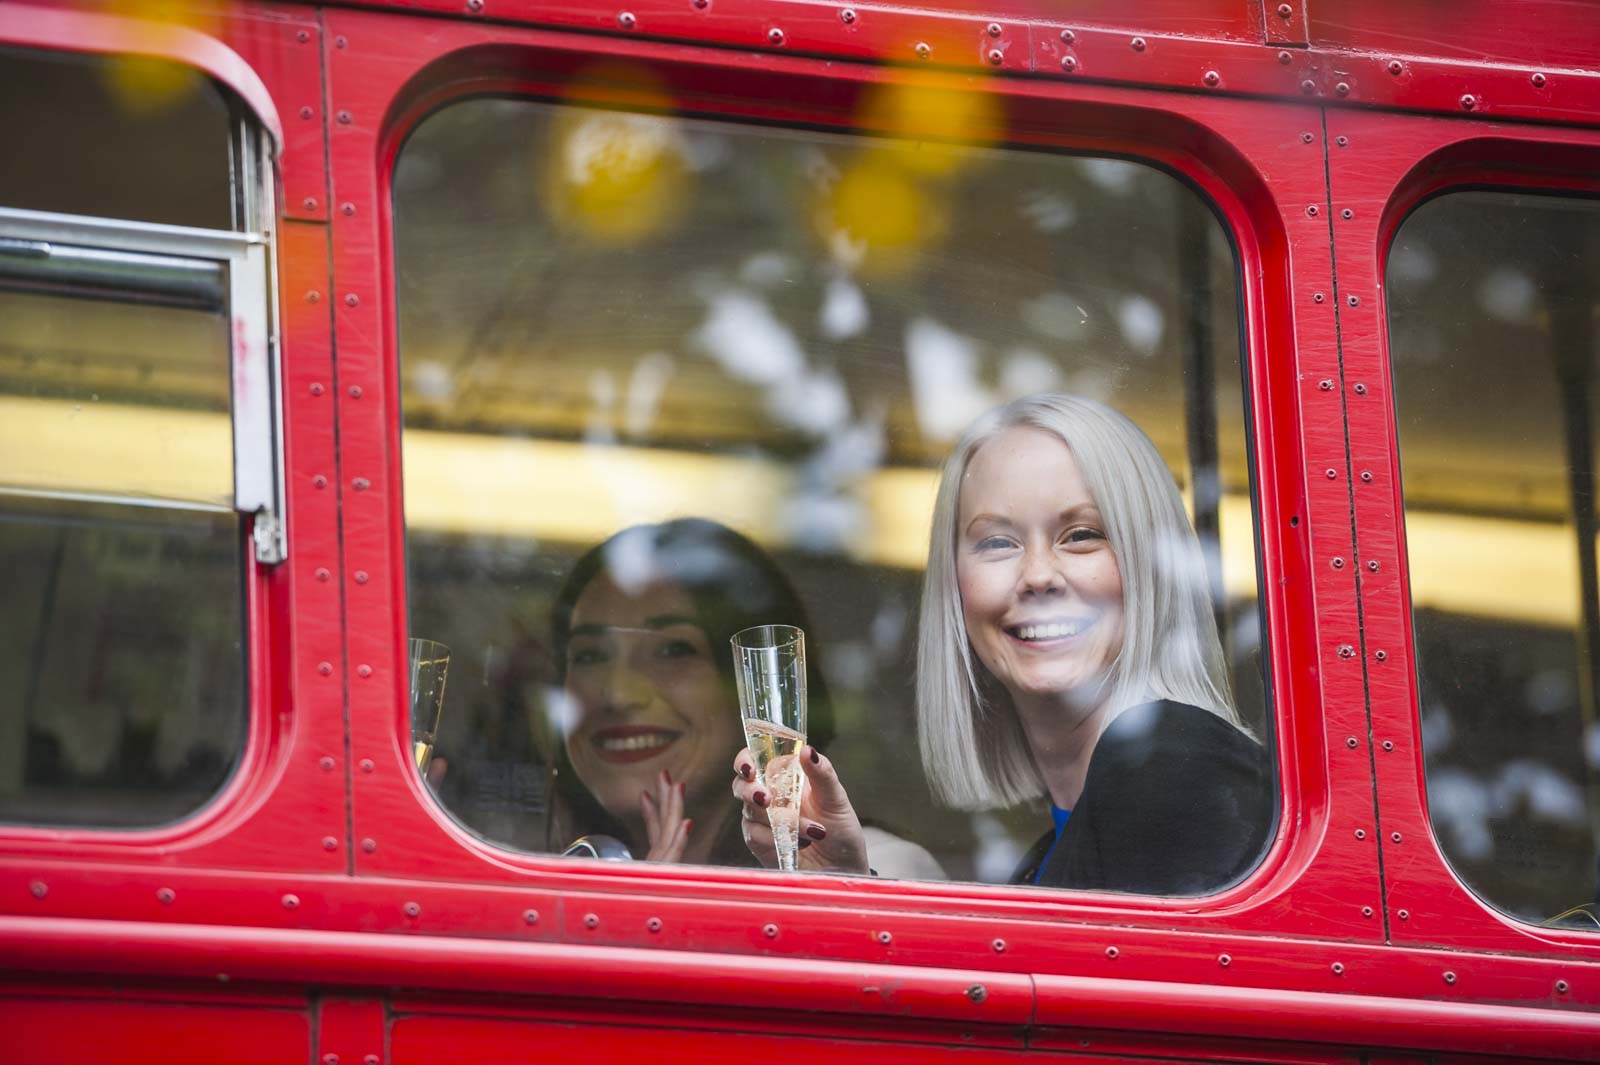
1083,536
585,656
993,543
677,649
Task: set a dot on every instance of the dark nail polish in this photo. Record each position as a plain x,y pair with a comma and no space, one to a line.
816,759
804,843
816,832
760,799
747,772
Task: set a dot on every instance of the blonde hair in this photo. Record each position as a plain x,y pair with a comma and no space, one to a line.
973,746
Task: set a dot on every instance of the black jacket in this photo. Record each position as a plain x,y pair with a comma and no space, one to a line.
1176,802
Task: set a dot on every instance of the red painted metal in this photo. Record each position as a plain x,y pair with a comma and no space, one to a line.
499,950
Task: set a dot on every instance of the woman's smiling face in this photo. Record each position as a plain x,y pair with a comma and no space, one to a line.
648,695
1041,593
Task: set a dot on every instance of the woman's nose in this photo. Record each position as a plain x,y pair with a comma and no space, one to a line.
626,688
1041,573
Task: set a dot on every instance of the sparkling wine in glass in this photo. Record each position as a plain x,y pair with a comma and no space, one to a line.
769,666
430,663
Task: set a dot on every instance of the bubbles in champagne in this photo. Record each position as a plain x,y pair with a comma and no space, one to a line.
777,752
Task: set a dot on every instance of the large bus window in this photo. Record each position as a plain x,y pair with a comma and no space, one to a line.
770,341
131,435
1494,318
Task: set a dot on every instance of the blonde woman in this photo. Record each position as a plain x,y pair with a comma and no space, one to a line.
1068,651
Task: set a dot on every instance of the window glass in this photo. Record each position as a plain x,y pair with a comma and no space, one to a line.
1494,303
609,319
71,120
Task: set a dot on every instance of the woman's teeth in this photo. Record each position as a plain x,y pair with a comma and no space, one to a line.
633,743
1055,630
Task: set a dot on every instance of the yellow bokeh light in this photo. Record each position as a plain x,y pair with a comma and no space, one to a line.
143,85
939,121
882,212
616,176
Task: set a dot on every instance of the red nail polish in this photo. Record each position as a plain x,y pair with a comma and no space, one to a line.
687,825
816,832
816,759
747,772
804,843
760,798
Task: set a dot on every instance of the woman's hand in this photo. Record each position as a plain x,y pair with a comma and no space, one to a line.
830,833
664,823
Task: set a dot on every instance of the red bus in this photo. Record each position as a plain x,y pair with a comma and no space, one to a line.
331,327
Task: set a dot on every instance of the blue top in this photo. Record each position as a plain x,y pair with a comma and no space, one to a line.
1059,816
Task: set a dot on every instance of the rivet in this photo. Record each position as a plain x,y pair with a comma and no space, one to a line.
361,484
775,35
1346,651
1307,87
1361,389
370,1059
1561,987
323,574
361,576
1404,915
1306,137
1111,952
316,388
702,4
1347,214
347,209
325,668
312,296
977,992
1468,101
1312,210
992,29
923,50
1366,911
309,203
1224,960
306,112
1449,977
330,1059
591,920
366,765
319,481
475,6
329,843
1285,58
1326,384
1067,36
1317,297
369,845
1538,81
1343,88
355,391
340,42
302,36
1069,63
1361,833
291,902
1382,656
344,118
847,16
413,910
165,896
327,763
770,931
1366,475
1350,741
1331,473
1338,968
1341,140
1388,745
1285,11
653,924
1137,44
1395,836
996,57
352,300
627,20
1373,565
363,671
1212,78
999,946
38,889
1336,562
1396,67
885,938
1354,301
530,916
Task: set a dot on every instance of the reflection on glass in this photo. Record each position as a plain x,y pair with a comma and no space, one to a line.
1494,294
780,351
430,665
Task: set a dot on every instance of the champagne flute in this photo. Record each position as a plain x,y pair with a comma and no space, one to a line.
769,666
430,663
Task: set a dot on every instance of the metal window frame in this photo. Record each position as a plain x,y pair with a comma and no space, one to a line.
255,371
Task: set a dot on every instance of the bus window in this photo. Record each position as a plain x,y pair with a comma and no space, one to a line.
710,347
122,660
1494,304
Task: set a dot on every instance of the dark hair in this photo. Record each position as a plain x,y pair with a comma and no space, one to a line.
732,582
